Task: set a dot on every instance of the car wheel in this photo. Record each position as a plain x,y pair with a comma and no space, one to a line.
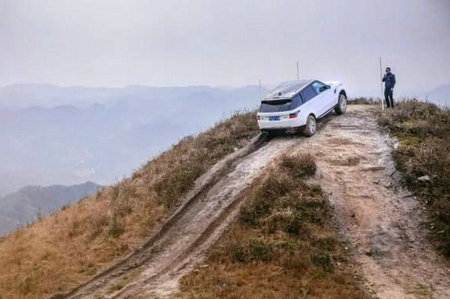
311,126
342,104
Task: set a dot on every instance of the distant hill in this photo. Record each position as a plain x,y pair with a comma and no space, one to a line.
68,135
19,96
24,205
71,245
440,95
46,95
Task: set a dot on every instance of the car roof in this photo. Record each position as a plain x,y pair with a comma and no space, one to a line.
287,90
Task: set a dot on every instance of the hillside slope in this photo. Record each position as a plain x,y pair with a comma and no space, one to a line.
206,212
382,222
378,218
176,208
154,270
58,252
32,202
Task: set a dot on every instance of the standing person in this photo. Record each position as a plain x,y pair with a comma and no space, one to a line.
389,83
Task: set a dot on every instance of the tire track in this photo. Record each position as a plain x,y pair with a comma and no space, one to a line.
180,243
380,219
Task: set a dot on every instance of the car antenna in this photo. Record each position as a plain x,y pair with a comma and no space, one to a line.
298,74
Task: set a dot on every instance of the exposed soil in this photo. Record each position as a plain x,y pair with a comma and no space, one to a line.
154,269
383,223
380,220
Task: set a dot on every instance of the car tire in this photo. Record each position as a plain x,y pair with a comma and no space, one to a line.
311,126
269,135
341,107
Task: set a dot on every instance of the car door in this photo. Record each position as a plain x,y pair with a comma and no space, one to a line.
329,97
308,95
323,98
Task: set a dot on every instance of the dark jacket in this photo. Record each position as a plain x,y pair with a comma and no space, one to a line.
389,81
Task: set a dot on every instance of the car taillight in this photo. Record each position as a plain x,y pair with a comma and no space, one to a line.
293,115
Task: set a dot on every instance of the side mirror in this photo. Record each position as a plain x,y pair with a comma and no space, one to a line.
325,87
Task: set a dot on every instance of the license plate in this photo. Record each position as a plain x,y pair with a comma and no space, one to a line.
274,118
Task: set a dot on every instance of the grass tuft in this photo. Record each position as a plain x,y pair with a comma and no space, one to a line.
364,101
252,250
116,229
299,166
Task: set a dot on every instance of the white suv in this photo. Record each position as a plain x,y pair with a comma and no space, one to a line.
297,105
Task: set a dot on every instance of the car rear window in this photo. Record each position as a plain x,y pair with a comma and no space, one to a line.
280,105
275,106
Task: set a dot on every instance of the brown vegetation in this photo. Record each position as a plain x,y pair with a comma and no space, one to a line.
364,101
423,158
60,251
284,245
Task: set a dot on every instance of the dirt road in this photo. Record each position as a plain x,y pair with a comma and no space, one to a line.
354,167
213,203
381,221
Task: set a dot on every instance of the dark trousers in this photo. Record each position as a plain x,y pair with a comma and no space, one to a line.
388,97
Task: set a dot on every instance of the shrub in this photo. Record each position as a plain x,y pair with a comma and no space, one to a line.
115,228
364,101
179,181
300,166
323,261
252,250
274,187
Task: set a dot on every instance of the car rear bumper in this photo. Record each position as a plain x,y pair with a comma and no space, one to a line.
278,124
276,131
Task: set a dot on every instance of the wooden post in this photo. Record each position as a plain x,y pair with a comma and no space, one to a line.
381,87
260,88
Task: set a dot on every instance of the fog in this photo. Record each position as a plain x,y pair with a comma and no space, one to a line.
51,134
101,135
178,43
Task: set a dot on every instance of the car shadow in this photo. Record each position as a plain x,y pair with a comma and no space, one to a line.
321,123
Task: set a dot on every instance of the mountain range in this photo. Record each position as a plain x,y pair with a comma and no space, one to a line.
31,202
440,95
68,135
55,135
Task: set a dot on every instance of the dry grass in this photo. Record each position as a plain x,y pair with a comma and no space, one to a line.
423,133
61,250
283,245
364,101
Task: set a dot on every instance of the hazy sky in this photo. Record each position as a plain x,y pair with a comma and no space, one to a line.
172,43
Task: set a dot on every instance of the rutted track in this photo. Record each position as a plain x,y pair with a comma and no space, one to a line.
382,221
354,165
180,243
